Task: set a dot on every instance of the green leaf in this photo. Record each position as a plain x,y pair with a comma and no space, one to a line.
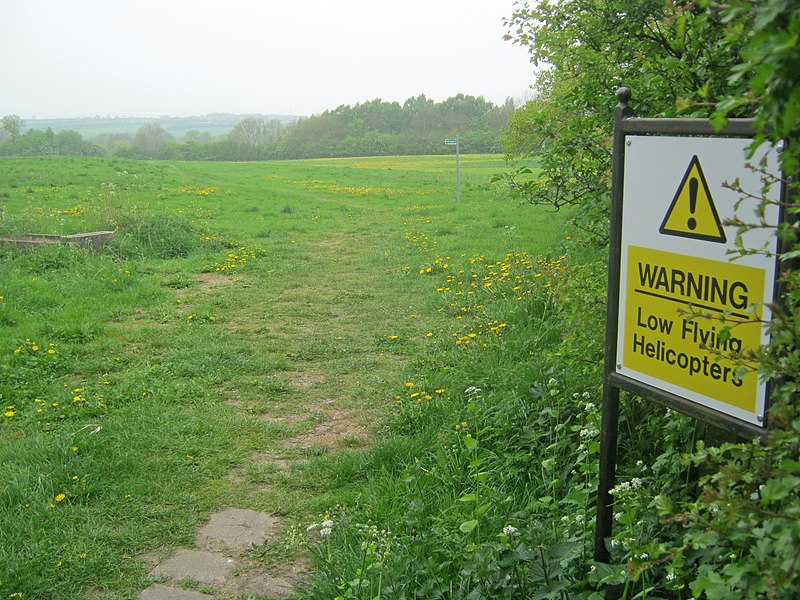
481,510
778,488
564,550
468,526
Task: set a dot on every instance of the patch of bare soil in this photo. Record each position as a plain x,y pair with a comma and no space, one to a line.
338,425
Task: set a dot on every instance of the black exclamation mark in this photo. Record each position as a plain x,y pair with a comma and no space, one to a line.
692,223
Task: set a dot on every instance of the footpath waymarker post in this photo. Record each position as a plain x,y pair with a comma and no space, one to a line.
455,142
679,305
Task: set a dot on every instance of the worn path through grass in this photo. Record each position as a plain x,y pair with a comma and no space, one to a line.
329,316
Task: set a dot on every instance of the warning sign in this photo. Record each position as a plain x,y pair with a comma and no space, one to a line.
692,213
666,338
687,308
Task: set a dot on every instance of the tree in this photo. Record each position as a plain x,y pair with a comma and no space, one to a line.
250,133
194,135
674,55
109,140
273,131
13,125
68,142
150,139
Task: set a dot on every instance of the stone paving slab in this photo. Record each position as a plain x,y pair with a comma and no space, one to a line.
204,567
265,584
164,592
238,527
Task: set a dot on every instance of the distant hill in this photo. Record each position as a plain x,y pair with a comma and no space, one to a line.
215,124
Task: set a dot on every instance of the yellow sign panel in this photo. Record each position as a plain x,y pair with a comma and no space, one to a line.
662,341
692,213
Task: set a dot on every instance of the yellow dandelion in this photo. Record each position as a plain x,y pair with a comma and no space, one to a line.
60,497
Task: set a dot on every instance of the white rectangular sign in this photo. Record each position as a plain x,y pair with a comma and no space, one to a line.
679,260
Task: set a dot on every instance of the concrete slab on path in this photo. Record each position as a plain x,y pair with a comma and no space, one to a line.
208,568
238,528
266,584
164,592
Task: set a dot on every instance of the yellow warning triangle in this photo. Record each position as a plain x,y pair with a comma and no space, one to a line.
692,213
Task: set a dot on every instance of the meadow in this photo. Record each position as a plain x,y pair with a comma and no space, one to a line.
283,336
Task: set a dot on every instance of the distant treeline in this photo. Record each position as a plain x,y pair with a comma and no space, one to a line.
375,128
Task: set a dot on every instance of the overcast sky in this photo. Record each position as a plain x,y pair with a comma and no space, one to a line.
76,58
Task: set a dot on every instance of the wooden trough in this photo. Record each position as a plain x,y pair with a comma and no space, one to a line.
95,239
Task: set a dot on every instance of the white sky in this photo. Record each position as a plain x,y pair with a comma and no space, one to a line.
146,58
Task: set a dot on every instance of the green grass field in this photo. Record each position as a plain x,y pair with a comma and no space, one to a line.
239,342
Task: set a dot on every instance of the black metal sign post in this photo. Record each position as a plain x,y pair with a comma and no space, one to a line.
609,420
626,128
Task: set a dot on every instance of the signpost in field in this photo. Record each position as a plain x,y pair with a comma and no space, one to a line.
454,142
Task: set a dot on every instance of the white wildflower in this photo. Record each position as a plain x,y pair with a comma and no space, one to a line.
509,529
626,486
